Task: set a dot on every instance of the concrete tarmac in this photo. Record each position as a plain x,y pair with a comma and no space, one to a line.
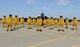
24,37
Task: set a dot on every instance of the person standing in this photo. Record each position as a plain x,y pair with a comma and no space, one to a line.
29,23
61,23
74,23
4,21
16,21
9,23
66,22
45,22
34,22
51,23
22,22
56,22
39,24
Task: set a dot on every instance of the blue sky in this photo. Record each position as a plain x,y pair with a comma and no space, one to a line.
54,8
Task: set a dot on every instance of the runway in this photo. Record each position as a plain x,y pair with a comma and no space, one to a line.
24,37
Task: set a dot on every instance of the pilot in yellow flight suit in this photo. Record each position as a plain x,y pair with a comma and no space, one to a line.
66,22
45,22
16,21
34,22
39,24
9,23
56,22
48,20
61,23
51,23
4,21
74,23
29,22
22,22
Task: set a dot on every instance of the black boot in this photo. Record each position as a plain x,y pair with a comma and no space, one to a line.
11,30
30,27
7,30
58,30
66,27
37,30
40,30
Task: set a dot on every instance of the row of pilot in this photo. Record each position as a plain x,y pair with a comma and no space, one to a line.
47,22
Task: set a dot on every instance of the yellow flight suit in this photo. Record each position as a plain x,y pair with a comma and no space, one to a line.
16,21
67,22
45,23
51,23
74,23
61,23
56,22
48,22
22,22
39,24
9,23
4,21
29,22
34,22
